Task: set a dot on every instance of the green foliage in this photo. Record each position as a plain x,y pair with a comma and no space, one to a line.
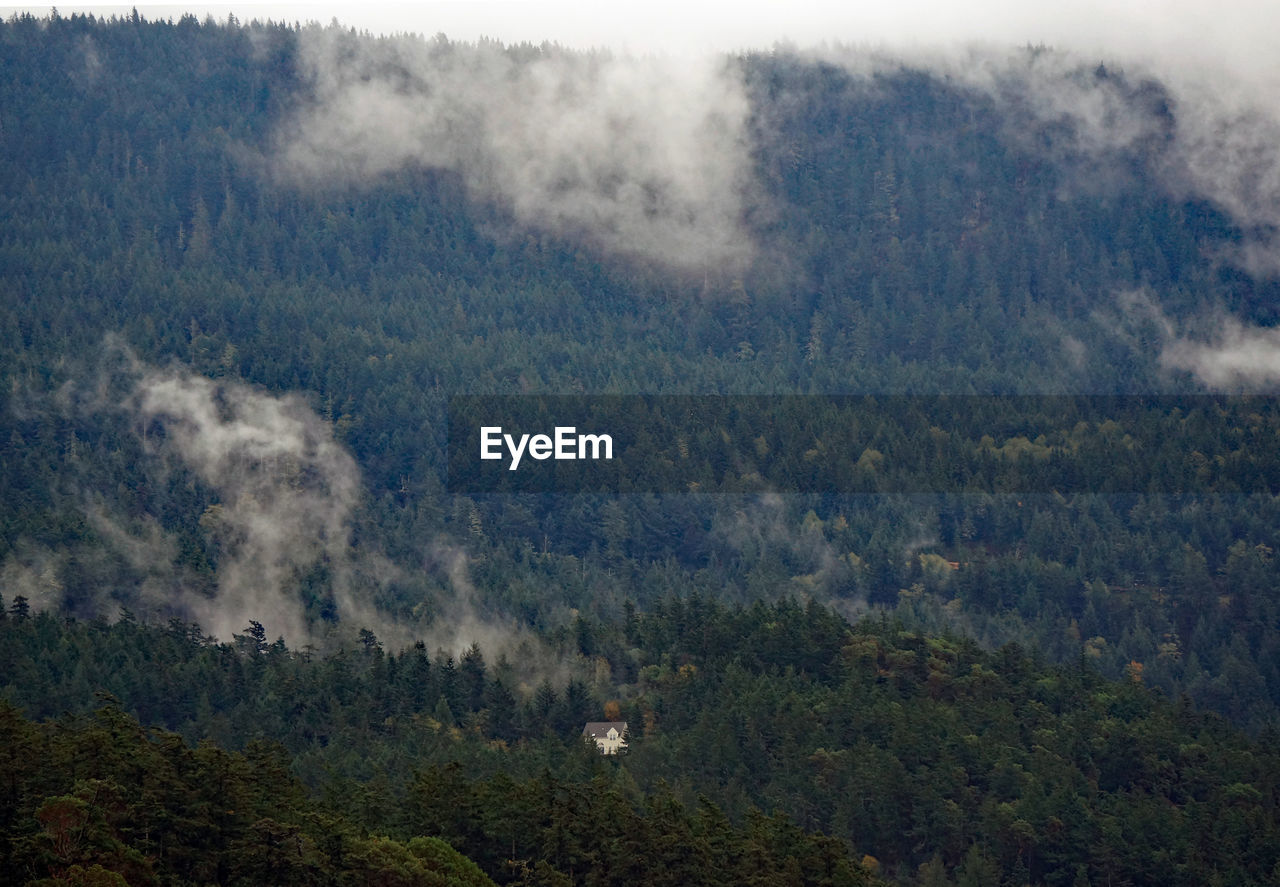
926,251
919,751
909,245
113,803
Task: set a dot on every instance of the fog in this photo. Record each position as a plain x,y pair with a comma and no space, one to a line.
638,157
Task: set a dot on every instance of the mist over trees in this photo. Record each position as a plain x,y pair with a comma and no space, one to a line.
244,266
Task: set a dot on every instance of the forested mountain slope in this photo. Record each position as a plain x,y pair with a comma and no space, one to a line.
243,268
910,233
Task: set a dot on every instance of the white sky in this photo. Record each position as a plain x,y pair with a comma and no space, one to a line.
1230,34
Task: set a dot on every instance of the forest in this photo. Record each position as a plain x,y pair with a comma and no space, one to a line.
938,556
772,744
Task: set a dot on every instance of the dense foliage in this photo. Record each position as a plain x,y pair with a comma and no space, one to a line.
131,211
115,804
915,235
927,754
112,803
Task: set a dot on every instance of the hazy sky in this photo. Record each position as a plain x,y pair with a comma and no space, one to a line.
1233,33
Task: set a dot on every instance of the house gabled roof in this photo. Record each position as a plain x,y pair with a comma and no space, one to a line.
600,729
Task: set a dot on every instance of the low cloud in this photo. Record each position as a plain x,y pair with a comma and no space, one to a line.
1226,154
33,572
1235,357
640,157
1203,131
281,499
649,157
462,620
285,491
766,529
1220,351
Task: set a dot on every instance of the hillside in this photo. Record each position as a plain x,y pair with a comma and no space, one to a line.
246,267
870,751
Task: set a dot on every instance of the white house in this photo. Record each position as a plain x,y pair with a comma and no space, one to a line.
607,735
